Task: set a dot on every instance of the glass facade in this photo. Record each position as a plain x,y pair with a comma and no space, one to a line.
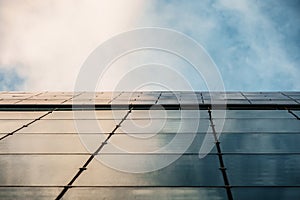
146,145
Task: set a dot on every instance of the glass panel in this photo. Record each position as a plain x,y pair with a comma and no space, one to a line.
260,143
70,126
33,193
142,102
188,170
252,114
45,143
8,126
297,96
259,193
88,101
297,112
168,101
141,143
187,101
260,125
53,95
93,114
8,101
146,193
17,95
79,101
263,170
1,135
116,101
273,102
283,102
146,114
20,115
227,102
41,101
153,126
38,170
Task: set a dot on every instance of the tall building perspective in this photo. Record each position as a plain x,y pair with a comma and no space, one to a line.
150,145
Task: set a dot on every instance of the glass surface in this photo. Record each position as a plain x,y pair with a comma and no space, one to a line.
188,170
117,101
259,94
297,112
261,193
93,114
259,125
283,102
227,101
33,193
17,95
78,101
46,143
146,193
252,114
142,102
53,96
153,126
2,135
146,114
263,170
9,101
260,143
267,97
70,126
295,96
38,170
20,115
168,101
8,126
141,143
88,101
41,101
273,102
187,101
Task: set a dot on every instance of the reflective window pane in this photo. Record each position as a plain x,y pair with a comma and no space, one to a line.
46,143
93,114
20,115
38,170
70,126
238,114
261,193
259,125
263,170
152,126
8,126
260,143
41,101
156,143
146,193
188,170
170,114
34,193
297,112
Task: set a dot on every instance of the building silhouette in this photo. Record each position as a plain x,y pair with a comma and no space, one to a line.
63,145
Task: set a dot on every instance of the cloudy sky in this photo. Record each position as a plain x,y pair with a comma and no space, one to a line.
254,44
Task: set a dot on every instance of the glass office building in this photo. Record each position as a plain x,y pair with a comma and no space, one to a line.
150,145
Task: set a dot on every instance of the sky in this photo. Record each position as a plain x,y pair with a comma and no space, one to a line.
254,44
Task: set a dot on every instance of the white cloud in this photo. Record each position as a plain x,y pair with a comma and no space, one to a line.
47,41
244,39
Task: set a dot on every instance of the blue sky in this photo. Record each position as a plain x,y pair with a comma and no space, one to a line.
255,44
